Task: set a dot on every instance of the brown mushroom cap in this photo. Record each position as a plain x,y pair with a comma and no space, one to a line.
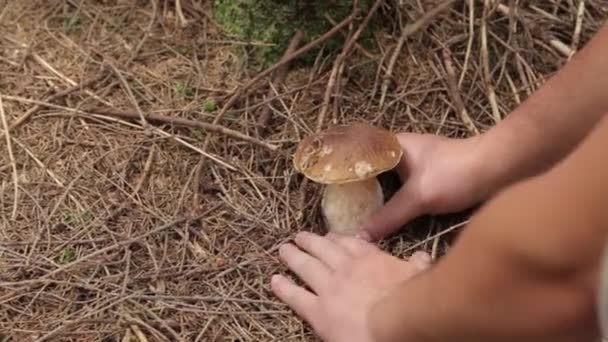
343,154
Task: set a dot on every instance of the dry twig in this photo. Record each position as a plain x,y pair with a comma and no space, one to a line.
336,71
129,92
406,32
576,36
279,78
485,60
46,65
455,94
326,36
185,122
22,119
11,157
180,13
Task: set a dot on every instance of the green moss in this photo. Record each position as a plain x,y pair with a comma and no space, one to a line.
184,89
276,21
209,105
71,22
68,254
75,218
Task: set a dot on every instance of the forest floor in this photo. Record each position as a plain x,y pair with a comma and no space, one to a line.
119,225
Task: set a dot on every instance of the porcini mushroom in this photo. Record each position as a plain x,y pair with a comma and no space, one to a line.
347,159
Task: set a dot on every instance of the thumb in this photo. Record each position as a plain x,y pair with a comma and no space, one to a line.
400,209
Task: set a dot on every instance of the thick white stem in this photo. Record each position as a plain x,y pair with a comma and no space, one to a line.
347,206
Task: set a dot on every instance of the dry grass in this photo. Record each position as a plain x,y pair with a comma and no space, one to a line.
128,228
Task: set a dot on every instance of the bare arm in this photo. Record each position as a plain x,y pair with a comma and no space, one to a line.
552,121
448,175
525,269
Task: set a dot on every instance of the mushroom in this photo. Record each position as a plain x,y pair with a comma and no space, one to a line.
347,159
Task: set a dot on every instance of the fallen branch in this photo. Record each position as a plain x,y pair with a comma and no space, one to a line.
71,112
405,33
184,122
54,97
279,78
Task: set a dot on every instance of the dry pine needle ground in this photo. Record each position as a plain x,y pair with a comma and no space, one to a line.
123,229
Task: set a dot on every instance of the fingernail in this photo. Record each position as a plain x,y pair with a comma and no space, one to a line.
364,236
422,259
302,234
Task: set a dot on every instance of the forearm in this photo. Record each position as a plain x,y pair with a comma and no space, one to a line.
525,269
550,123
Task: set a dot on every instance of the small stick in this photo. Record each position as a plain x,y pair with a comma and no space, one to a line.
576,36
76,112
11,157
557,44
513,89
405,33
358,46
126,87
140,335
185,122
127,337
180,14
99,252
70,324
154,118
486,64
54,97
471,4
147,33
431,238
434,248
54,71
337,68
455,94
561,47
281,74
138,185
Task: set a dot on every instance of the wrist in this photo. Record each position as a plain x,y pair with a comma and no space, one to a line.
507,153
489,164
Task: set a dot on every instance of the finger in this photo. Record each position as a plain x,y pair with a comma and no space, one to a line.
420,260
400,209
402,168
412,145
352,245
297,298
312,271
322,248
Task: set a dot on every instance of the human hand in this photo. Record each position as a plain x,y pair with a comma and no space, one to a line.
347,277
439,175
